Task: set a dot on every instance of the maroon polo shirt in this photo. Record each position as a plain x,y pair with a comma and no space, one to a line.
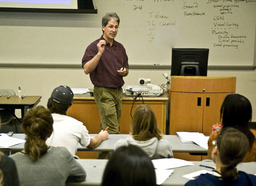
113,58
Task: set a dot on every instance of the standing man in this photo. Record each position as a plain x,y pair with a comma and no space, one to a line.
107,63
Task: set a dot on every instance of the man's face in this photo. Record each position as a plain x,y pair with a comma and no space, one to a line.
110,30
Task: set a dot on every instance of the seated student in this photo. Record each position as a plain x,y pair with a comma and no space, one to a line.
236,111
8,171
146,134
227,152
129,166
39,164
67,131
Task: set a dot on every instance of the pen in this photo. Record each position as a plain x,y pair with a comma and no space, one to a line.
207,166
106,129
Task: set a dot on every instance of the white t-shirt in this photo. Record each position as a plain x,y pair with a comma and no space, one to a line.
68,132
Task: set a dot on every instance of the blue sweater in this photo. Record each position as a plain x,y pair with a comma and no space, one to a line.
211,180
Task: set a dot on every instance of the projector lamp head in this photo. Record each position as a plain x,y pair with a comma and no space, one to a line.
143,81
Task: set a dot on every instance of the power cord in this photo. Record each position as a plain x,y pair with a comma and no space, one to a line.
134,100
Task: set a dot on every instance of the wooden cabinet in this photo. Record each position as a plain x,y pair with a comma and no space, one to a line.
195,102
85,109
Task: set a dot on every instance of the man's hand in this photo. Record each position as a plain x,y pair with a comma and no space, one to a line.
101,46
123,71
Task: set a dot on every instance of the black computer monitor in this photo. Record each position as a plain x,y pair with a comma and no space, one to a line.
189,61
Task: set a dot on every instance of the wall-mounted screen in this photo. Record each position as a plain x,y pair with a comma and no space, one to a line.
50,4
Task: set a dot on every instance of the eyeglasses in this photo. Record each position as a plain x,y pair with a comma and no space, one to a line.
112,27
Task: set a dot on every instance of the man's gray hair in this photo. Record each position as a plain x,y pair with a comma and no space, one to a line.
109,16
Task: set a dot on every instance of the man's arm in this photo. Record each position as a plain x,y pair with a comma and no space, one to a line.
92,64
96,141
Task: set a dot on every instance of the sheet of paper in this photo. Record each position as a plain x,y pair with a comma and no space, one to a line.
187,137
196,174
162,175
202,141
170,163
6,141
80,90
194,137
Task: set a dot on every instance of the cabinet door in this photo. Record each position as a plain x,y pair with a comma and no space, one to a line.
186,112
88,113
212,104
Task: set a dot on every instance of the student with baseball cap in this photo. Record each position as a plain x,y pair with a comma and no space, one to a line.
67,131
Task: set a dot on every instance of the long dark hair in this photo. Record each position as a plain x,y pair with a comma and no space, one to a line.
236,111
129,166
37,125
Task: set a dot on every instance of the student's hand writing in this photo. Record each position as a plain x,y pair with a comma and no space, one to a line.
103,134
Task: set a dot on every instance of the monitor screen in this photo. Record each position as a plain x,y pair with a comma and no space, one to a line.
58,4
189,61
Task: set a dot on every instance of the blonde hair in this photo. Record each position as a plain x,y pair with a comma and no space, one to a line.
144,124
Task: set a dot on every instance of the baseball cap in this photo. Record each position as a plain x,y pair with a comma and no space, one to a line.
63,95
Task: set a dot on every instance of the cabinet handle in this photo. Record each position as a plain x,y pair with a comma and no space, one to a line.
198,101
207,102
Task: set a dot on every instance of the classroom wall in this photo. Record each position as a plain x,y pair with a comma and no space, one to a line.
149,29
36,81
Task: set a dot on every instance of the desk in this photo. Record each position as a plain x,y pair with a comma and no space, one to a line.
85,110
108,145
14,102
95,168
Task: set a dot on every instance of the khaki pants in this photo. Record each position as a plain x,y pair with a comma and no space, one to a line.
109,103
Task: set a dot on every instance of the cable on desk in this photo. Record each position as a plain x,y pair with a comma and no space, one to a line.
134,100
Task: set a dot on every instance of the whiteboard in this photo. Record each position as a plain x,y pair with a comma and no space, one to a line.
149,29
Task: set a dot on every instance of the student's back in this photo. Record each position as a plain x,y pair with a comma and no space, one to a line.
211,180
228,151
68,131
146,134
8,171
52,168
39,164
236,111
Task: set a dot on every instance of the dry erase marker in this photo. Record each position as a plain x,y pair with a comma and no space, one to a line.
19,92
106,129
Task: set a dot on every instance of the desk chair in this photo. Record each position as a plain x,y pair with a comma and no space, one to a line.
7,120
